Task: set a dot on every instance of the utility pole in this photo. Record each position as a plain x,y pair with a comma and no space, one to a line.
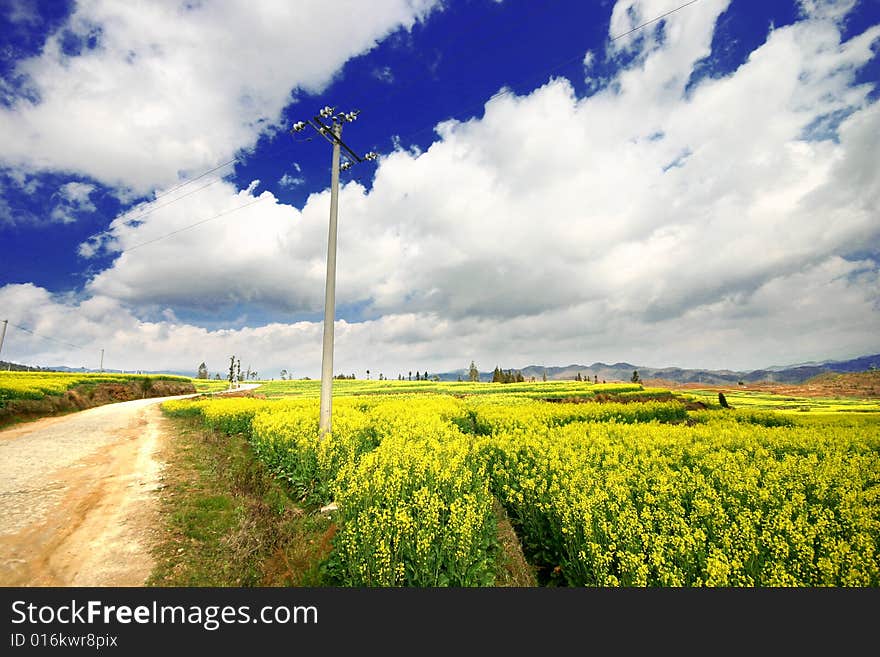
102,360
330,293
3,334
333,134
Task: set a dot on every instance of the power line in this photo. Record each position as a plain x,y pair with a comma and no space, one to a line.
164,205
654,20
192,180
198,223
149,210
46,337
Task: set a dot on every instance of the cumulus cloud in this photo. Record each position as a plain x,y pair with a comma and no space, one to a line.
132,94
701,225
250,249
834,313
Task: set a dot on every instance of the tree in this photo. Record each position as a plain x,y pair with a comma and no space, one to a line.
368,374
425,378
146,385
418,376
578,377
203,371
723,400
473,373
596,378
509,376
284,375
410,376
635,376
231,369
217,377
544,375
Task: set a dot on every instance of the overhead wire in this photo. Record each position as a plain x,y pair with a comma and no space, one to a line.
46,337
165,205
193,225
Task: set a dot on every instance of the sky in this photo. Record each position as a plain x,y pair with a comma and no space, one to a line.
660,182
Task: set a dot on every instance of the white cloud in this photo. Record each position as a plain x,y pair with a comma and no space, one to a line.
252,252
291,181
20,12
385,74
506,244
829,309
829,9
74,198
589,59
170,89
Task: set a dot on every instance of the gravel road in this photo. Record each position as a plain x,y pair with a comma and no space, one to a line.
78,500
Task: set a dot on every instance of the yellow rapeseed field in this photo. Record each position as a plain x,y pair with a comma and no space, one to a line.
643,493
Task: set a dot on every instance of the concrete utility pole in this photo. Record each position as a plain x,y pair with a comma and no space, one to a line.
330,293
332,134
102,360
3,334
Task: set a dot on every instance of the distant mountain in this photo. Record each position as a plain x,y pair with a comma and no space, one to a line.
623,372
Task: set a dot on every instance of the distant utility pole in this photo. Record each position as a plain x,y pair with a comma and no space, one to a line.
333,134
3,334
102,360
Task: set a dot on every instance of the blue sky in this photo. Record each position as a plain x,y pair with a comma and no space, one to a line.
701,192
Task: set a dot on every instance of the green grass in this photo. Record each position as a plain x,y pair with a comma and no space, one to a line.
226,522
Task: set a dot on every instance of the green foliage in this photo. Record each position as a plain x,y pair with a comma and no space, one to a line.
510,376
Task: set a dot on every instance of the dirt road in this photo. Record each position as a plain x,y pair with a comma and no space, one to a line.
77,496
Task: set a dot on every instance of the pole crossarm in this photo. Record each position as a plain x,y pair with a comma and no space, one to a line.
333,138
